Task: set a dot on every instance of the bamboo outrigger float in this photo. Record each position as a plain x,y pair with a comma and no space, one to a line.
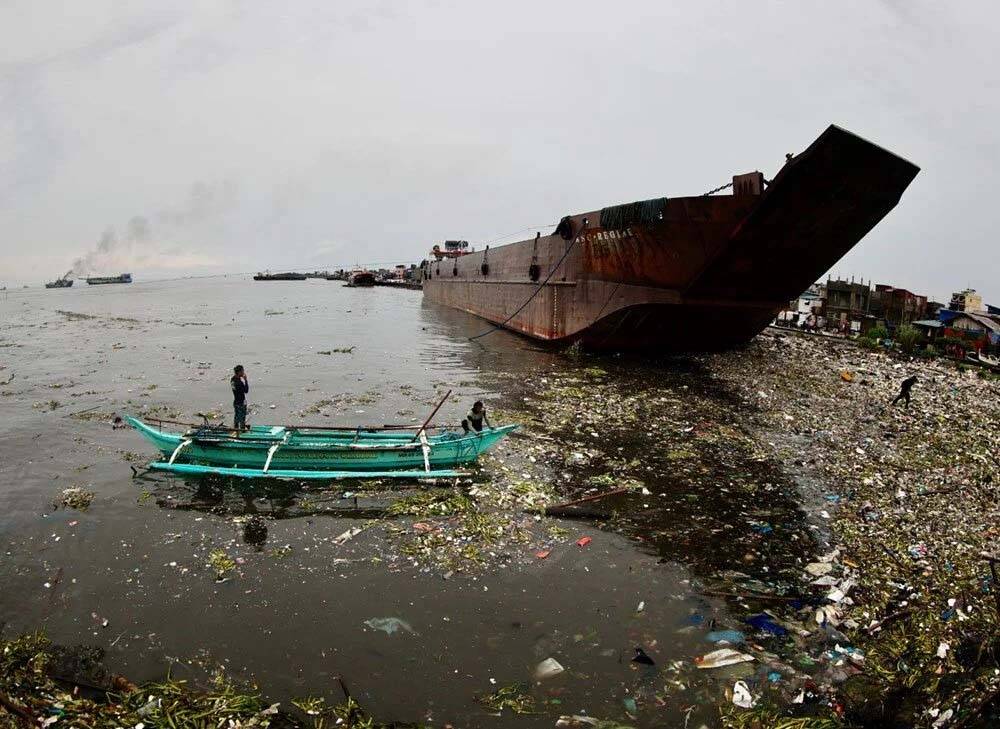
317,453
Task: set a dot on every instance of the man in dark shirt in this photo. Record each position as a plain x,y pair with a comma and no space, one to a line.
904,390
476,418
240,388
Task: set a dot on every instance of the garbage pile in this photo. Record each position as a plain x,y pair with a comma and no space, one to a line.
856,537
907,496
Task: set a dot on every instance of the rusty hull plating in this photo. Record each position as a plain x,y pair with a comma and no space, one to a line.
683,274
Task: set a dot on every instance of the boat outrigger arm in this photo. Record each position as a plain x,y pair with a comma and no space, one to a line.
272,449
180,446
426,448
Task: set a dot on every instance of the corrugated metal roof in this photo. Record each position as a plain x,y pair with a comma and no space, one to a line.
990,324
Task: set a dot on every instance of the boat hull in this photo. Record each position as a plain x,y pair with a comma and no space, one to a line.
190,469
318,450
124,278
679,274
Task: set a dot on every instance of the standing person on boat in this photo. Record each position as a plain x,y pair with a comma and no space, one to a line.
476,418
904,390
240,388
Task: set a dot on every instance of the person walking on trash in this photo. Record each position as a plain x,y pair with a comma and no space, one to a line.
904,390
476,418
240,387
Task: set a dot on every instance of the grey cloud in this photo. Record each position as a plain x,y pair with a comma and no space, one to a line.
386,128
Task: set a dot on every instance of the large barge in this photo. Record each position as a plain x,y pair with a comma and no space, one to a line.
686,273
280,276
122,278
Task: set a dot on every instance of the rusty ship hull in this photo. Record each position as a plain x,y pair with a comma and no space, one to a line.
686,273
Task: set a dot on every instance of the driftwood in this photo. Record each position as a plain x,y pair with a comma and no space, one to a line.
563,512
593,497
752,596
889,618
895,558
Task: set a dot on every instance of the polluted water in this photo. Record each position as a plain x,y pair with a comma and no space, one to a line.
674,509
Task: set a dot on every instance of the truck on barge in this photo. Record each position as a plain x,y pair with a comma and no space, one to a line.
686,273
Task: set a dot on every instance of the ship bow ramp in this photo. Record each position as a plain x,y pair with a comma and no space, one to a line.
818,207
776,243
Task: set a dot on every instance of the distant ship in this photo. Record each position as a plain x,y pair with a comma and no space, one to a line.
705,272
280,277
121,278
361,278
63,282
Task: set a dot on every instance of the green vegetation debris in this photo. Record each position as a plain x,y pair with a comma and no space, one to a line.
516,697
431,503
222,563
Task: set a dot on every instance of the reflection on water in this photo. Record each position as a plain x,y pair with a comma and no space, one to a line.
271,498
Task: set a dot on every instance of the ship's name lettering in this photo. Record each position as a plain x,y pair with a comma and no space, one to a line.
601,241
608,236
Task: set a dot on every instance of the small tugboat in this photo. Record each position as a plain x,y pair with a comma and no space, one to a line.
361,278
303,452
63,282
280,277
122,278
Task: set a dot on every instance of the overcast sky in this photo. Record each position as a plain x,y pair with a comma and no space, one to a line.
237,136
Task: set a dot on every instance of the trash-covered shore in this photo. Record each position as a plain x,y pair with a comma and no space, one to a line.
905,503
875,604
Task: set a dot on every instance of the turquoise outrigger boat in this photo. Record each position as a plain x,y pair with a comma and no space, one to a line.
317,453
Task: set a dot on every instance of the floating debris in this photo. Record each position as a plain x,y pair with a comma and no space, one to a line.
547,669
516,697
722,657
76,498
222,563
390,626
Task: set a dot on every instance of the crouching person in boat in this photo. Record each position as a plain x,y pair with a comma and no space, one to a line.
240,388
476,417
